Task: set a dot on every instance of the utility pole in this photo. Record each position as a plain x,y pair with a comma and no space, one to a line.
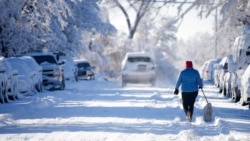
215,34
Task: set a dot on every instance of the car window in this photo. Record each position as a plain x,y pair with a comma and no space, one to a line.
138,59
47,58
85,65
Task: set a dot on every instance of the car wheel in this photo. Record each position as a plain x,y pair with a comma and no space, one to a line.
11,93
220,90
242,102
63,84
236,95
6,97
233,95
40,87
224,91
1,95
16,92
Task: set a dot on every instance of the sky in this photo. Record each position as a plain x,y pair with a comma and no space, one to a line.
188,29
193,24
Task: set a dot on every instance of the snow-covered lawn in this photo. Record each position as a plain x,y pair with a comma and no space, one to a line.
101,110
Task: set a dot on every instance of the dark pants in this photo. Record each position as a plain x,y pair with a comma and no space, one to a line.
188,99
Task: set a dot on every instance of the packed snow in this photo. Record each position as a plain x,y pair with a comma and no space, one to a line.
103,110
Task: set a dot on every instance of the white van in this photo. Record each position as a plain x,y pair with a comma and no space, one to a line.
245,87
241,61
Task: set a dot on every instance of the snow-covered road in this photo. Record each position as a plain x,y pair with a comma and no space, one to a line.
101,110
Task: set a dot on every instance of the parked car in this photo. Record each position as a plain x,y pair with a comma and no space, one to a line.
241,59
25,77
245,87
53,76
138,68
69,68
10,81
207,69
216,76
225,75
35,68
236,85
85,70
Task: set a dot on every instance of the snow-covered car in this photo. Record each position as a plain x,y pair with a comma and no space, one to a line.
207,69
36,68
69,68
25,76
225,75
245,87
241,52
216,76
10,89
84,70
236,85
53,77
138,68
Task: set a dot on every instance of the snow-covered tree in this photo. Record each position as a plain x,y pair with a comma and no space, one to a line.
28,25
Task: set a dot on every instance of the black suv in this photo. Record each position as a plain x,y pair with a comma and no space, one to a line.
53,76
84,70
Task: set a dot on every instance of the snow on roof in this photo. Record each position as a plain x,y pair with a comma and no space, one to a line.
39,53
81,60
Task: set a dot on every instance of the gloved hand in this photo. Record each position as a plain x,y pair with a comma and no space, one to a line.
176,91
200,87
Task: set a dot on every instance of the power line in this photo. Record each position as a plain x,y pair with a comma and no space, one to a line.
179,2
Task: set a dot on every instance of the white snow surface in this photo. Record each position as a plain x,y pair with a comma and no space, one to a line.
103,111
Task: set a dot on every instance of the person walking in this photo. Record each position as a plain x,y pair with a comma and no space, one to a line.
190,82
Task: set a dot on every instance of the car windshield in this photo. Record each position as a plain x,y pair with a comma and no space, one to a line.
45,58
85,65
138,59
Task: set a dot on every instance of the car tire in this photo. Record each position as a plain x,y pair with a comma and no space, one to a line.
233,95
41,87
236,95
62,84
1,95
242,102
6,97
224,91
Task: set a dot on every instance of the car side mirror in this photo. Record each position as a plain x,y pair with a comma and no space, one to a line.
61,62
